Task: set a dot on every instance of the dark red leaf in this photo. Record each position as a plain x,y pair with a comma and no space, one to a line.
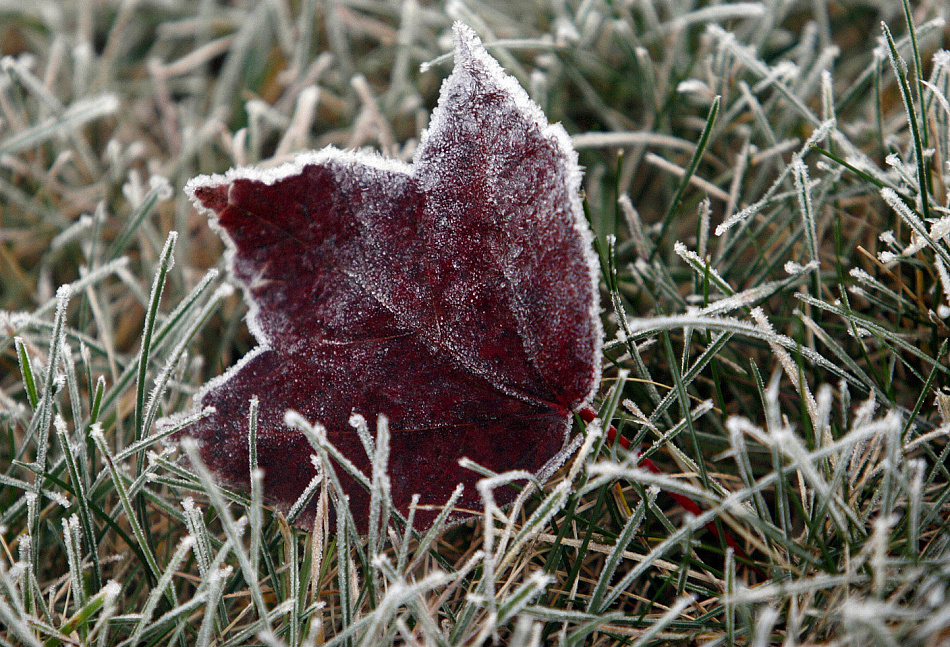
457,296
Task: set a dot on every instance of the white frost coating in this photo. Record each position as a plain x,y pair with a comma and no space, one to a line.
111,590
161,186
630,138
595,429
96,432
560,458
699,264
944,282
183,418
940,229
75,116
59,498
697,87
641,327
797,269
823,130
743,299
63,293
719,13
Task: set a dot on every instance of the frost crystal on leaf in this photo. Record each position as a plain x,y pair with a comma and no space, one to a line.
456,296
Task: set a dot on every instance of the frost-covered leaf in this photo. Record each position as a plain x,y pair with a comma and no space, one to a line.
456,296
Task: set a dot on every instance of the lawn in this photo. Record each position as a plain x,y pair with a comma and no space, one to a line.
765,459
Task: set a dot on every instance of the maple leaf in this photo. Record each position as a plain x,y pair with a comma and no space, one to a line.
457,296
